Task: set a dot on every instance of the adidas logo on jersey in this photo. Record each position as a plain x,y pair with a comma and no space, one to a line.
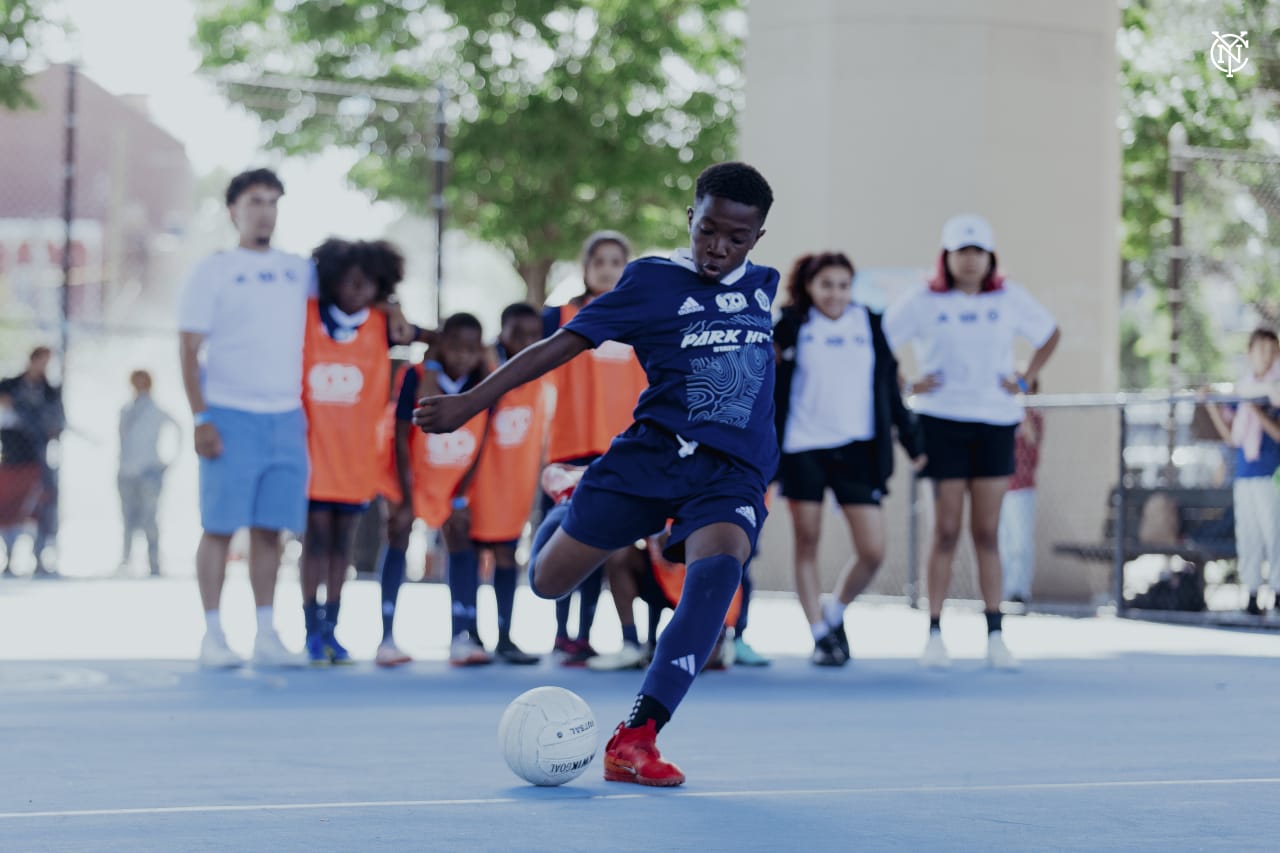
748,513
688,663
690,306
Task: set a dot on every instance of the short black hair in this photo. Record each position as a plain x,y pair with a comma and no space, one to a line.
517,310
738,182
461,322
253,177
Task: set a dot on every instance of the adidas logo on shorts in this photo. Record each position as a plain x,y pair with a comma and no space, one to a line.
748,513
687,663
690,306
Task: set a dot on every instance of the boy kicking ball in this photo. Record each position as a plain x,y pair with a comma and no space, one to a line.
702,449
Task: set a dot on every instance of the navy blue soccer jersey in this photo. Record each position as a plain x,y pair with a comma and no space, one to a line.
707,348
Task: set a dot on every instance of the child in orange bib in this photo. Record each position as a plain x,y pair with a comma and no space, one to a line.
434,474
346,376
506,480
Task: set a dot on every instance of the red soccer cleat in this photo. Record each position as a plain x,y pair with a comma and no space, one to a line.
559,481
632,756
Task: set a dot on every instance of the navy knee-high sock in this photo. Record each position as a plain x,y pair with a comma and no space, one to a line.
747,586
690,636
464,577
550,524
504,590
392,562
588,598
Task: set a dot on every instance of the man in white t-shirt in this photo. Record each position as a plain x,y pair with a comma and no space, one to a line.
241,320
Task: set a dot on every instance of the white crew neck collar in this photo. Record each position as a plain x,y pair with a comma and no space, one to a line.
684,258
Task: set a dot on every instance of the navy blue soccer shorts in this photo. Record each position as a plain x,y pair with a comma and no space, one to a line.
631,491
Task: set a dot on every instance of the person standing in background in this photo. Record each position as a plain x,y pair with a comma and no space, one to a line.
1018,509
963,323
34,419
241,322
1254,431
141,473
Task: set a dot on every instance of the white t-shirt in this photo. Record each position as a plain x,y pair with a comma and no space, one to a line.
252,308
968,340
832,399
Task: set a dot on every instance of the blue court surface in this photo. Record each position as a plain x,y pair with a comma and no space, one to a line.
1115,735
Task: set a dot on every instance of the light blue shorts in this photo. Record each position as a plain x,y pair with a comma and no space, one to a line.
260,480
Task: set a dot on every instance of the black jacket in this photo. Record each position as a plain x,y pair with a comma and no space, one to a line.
890,411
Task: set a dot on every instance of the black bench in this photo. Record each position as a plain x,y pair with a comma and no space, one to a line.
1206,527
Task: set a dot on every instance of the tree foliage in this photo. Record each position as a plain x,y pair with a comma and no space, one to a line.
1167,79
20,25
565,117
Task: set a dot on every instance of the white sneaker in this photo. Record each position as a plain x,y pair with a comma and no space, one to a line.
935,653
270,652
466,651
389,654
630,657
216,654
998,654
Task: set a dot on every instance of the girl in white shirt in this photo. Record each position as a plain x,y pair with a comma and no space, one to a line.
963,325
837,403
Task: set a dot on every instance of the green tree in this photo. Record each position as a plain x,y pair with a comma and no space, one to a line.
1167,79
566,117
21,22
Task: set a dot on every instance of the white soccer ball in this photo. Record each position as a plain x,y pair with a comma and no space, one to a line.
548,736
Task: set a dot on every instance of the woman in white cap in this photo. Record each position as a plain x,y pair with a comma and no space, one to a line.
963,325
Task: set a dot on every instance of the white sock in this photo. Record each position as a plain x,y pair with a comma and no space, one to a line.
833,612
213,622
265,621
820,629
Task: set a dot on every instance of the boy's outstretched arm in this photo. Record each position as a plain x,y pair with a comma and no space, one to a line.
447,413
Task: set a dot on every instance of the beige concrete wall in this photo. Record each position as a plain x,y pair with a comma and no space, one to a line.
875,120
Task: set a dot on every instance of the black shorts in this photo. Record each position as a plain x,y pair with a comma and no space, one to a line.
337,507
651,592
848,471
965,450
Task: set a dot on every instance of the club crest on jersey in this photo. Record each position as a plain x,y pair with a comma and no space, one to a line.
731,302
690,306
339,384
762,299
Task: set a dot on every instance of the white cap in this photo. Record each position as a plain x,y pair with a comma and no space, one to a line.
968,229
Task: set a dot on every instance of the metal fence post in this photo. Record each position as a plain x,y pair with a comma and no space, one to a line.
1122,512
912,588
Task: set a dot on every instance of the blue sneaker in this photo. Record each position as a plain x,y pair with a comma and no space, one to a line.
338,656
317,654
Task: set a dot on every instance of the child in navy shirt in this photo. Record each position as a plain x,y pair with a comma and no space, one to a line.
701,451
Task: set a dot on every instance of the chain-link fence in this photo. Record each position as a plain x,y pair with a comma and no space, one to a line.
1226,252
1116,520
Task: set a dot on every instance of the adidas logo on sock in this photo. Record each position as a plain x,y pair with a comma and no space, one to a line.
748,513
687,663
690,306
